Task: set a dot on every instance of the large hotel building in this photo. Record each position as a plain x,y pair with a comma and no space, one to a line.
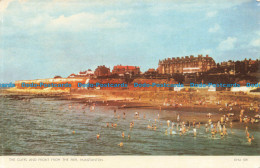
187,64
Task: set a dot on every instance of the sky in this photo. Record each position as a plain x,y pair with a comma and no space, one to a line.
41,39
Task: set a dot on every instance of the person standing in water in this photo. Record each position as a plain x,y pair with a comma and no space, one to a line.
246,130
206,127
194,131
168,123
172,124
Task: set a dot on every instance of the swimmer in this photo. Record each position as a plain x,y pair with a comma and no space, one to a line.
170,131
107,125
124,115
131,125
222,134
112,125
166,132
154,128
247,134
121,144
115,125
252,137
118,116
199,124
178,118
129,136
123,135
144,116
73,132
98,135
212,134
249,140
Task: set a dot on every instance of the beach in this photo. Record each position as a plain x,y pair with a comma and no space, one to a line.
189,105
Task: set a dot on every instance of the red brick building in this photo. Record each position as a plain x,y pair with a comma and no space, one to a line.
122,70
102,71
186,64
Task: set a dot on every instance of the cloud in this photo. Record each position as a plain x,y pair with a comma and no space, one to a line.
214,29
86,21
211,14
255,43
227,44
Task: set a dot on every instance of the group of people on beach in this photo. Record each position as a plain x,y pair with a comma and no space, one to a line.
182,128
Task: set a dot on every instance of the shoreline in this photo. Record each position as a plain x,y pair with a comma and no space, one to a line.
188,111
